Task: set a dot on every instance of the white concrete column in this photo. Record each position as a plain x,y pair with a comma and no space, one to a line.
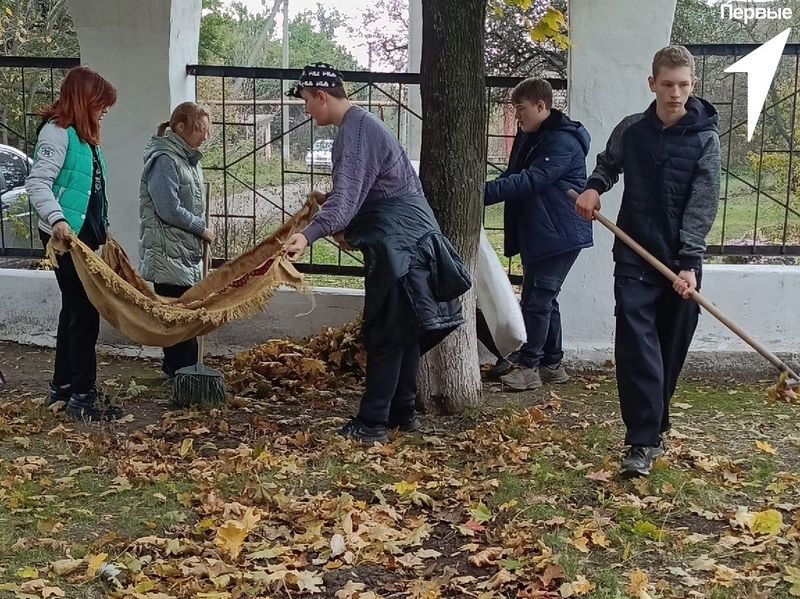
608,70
414,125
142,48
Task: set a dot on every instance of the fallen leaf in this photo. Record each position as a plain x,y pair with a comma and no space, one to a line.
65,567
766,447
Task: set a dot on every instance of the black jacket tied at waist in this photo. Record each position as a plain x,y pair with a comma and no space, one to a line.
414,276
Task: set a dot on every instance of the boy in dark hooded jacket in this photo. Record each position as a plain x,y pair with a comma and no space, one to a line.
671,158
548,159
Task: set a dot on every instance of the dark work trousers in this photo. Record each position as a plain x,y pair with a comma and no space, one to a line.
390,390
541,285
184,353
78,328
653,332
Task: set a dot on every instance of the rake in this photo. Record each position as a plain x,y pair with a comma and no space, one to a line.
790,377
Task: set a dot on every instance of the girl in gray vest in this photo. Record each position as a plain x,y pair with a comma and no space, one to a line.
171,215
67,187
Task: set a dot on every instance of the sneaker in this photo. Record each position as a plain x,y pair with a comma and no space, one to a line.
640,458
556,374
57,394
523,379
409,425
503,366
357,430
92,407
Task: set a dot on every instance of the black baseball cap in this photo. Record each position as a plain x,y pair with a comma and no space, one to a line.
319,75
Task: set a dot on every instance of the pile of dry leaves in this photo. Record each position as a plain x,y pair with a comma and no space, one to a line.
333,359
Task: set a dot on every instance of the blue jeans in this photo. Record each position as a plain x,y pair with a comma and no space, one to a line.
541,285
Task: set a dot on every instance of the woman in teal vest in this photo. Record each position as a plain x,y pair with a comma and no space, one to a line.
172,203
67,187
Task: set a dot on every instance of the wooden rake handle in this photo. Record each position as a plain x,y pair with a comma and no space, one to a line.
702,301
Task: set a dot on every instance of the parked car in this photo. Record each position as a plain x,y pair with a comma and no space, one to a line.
14,167
320,154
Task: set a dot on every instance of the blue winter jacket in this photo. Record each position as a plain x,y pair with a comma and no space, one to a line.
540,219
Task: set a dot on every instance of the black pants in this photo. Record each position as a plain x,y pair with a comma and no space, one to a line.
390,391
184,353
78,328
653,332
541,285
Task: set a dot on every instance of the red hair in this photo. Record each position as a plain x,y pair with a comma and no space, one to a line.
84,95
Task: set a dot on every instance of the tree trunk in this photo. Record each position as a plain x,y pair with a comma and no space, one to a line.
452,169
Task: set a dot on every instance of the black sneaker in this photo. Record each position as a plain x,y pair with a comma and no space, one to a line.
410,425
639,459
503,366
92,407
357,430
57,394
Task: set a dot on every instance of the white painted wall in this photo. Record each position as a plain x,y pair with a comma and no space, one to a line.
142,47
613,46
761,299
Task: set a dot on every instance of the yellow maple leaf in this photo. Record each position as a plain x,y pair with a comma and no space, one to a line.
186,447
637,587
768,522
28,572
93,563
766,447
231,535
405,488
581,544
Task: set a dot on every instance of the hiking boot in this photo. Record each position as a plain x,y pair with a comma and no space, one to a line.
555,374
57,394
408,425
92,407
503,366
640,458
523,379
357,430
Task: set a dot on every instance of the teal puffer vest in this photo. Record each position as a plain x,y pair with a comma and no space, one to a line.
73,186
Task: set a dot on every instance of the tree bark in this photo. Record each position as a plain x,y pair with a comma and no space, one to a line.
452,169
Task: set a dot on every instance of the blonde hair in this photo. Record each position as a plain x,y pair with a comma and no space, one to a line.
672,57
188,113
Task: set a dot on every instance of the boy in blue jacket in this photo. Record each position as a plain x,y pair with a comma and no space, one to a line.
548,158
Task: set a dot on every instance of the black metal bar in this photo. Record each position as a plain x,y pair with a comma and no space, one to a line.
791,153
764,249
39,62
255,141
224,174
758,180
736,49
350,76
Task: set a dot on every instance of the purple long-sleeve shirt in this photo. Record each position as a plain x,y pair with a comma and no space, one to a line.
368,164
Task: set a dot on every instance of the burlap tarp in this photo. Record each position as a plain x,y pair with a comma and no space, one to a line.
239,289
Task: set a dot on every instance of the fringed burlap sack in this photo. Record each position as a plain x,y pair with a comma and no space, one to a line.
237,290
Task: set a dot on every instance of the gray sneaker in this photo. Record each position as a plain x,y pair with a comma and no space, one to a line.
522,379
639,459
556,374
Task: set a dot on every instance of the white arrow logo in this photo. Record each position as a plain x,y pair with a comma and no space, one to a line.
760,66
